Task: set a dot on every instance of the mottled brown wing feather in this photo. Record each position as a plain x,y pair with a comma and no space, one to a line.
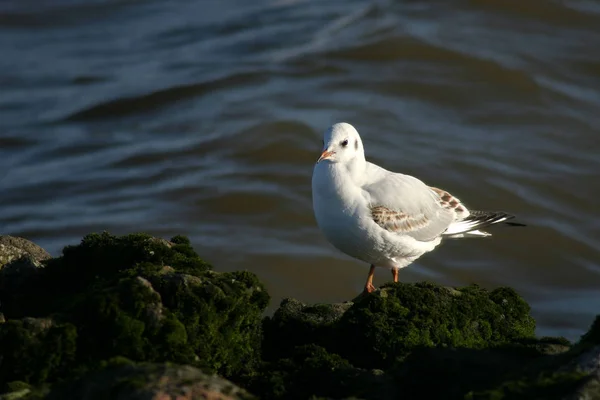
396,221
450,202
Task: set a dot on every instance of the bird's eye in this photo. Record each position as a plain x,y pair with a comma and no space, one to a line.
345,143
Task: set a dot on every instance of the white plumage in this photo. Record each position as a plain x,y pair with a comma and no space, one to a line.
384,218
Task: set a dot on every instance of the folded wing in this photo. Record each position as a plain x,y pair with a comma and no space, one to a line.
403,204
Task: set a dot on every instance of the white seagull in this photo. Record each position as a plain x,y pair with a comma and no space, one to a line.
384,218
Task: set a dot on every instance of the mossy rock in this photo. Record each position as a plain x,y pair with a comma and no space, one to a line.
466,340
592,336
378,329
145,303
126,380
458,370
136,296
555,386
34,350
400,317
222,314
295,324
311,371
100,260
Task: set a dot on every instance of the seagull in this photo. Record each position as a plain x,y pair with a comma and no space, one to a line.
384,218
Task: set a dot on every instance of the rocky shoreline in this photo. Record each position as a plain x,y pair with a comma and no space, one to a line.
137,317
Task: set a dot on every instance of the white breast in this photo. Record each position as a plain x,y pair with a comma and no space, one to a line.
338,209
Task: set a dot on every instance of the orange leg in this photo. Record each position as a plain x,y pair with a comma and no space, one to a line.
395,274
369,285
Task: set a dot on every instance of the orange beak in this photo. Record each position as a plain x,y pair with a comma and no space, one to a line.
325,155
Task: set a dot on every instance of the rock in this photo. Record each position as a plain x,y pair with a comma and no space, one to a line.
592,336
222,313
566,372
149,382
13,248
72,328
469,341
388,324
135,296
34,349
464,339
586,361
398,318
20,261
16,390
545,385
17,394
462,371
295,323
154,310
311,371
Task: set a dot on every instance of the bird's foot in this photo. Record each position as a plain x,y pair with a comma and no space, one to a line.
369,288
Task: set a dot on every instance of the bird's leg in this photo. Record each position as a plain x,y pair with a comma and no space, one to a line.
395,274
369,285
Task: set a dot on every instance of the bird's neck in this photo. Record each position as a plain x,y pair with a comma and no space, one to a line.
347,174
356,168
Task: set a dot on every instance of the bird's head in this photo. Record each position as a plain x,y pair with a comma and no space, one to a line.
341,144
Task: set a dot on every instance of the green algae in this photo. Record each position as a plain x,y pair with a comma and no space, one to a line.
311,370
131,296
35,350
427,315
390,323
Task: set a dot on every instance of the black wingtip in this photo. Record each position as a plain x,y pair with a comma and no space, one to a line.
515,224
488,218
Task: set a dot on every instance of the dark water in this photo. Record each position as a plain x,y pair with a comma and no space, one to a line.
204,118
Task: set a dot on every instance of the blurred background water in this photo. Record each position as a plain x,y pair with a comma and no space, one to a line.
204,118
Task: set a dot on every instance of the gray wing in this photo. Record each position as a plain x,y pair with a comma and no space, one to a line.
405,205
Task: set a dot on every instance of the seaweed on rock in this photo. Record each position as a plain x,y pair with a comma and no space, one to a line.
398,340
310,370
34,350
135,296
376,330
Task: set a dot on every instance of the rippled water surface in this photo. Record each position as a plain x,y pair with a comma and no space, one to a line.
205,118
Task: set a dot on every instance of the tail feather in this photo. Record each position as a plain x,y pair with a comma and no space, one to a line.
476,220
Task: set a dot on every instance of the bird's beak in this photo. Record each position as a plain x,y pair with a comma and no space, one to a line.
325,155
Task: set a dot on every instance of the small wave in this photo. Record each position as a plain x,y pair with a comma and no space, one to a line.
148,102
11,142
88,79
408,49
551,12
326,35
396,48
63,13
